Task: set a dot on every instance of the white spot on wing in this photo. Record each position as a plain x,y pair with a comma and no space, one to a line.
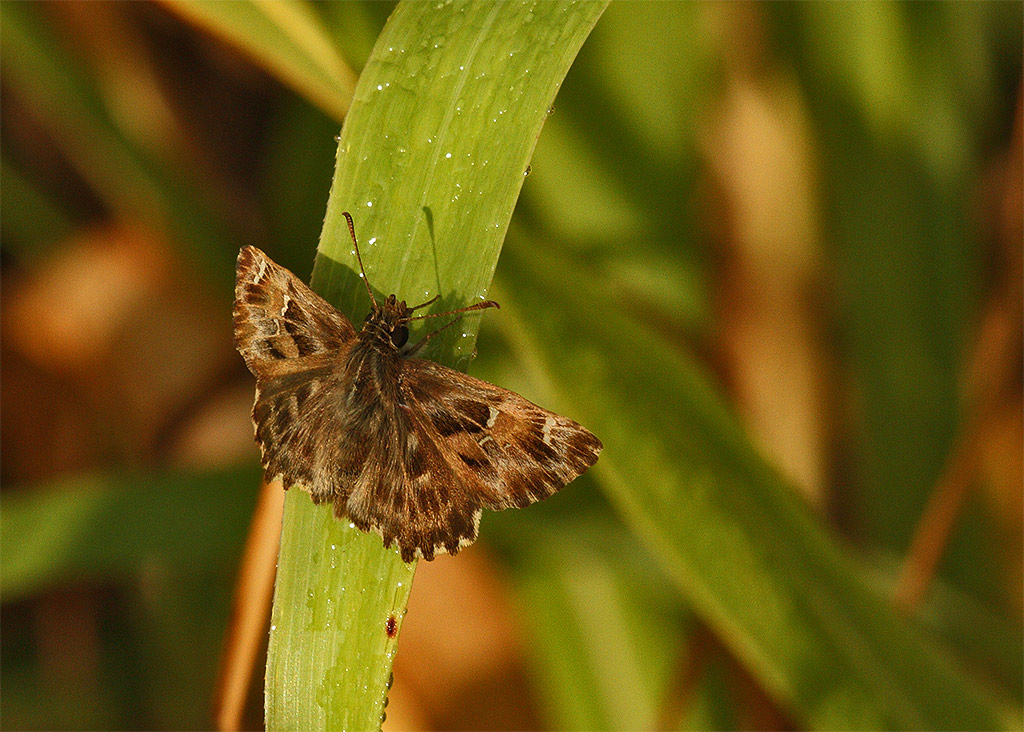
467,540
439,549
549,422
493,417
261,271
284,308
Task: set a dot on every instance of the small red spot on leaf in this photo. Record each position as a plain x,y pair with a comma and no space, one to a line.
391,626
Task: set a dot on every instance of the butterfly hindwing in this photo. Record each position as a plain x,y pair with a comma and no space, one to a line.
297,429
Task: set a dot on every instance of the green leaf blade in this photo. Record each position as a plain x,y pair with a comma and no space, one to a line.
90,526
727,528
430,163
285,38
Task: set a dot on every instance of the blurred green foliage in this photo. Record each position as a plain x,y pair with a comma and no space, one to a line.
608,283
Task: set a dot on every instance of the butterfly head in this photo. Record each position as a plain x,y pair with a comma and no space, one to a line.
388,321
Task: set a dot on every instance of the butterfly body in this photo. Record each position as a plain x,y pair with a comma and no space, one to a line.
399,445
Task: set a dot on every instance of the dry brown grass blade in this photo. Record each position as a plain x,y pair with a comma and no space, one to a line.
250,609
993,373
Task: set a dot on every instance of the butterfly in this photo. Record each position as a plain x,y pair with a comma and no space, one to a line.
399,445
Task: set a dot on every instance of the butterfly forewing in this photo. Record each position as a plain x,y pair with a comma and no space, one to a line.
458,445
403,447
512,450
279,322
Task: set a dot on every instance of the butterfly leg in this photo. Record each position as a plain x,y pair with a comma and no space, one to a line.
478,306
413,349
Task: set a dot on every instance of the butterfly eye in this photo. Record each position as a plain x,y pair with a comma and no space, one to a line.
399,336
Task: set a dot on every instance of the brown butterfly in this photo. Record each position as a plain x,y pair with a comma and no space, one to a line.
401,446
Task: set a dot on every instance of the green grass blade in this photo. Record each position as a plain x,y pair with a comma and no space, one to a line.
604,625
112,526
430,163
744,550
287,39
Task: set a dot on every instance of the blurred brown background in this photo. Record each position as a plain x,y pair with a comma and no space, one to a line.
835,230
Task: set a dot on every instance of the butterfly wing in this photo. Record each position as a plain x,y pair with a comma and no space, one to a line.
455,445
281,325
291,340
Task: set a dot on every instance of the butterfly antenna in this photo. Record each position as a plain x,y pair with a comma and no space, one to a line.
477,306
431,301
352,231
